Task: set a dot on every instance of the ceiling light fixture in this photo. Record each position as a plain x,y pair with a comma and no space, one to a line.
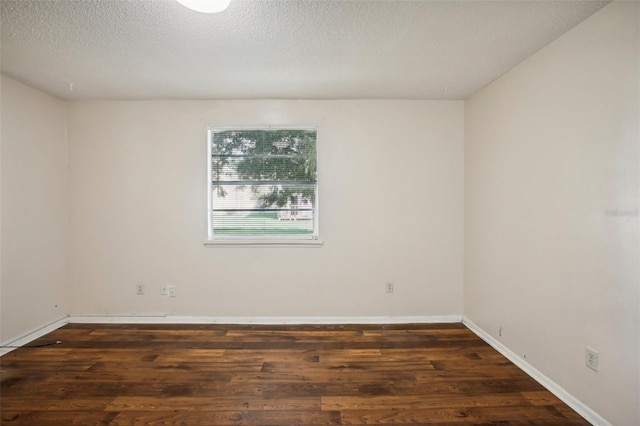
205,6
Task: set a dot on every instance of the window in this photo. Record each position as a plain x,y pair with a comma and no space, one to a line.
263,185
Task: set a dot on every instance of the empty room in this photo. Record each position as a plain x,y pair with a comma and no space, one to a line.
284,212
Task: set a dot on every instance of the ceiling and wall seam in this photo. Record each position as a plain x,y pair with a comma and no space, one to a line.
315,50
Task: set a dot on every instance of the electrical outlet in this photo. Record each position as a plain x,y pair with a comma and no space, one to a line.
389,287
591,359
165,290
172,290
140,289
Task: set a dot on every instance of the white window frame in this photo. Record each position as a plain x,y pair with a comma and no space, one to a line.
312,240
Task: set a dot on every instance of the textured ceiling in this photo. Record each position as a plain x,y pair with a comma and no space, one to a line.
303,49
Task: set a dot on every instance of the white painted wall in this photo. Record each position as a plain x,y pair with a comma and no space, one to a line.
551,211
138,212
34,200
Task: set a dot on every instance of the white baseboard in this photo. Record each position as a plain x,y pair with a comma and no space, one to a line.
170,319
578,406
33,335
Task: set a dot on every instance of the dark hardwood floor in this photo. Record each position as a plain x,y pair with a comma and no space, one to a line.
270,375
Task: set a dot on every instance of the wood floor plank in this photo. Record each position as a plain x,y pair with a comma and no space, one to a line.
210,374
410,402
481,415
57,418
541,397
219,403
334,376
209,418
360,367
25,403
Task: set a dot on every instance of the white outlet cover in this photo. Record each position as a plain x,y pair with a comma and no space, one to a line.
591,359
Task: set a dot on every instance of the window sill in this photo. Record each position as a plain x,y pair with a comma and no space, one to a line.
262,243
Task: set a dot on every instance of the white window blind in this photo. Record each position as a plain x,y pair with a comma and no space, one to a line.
263,184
